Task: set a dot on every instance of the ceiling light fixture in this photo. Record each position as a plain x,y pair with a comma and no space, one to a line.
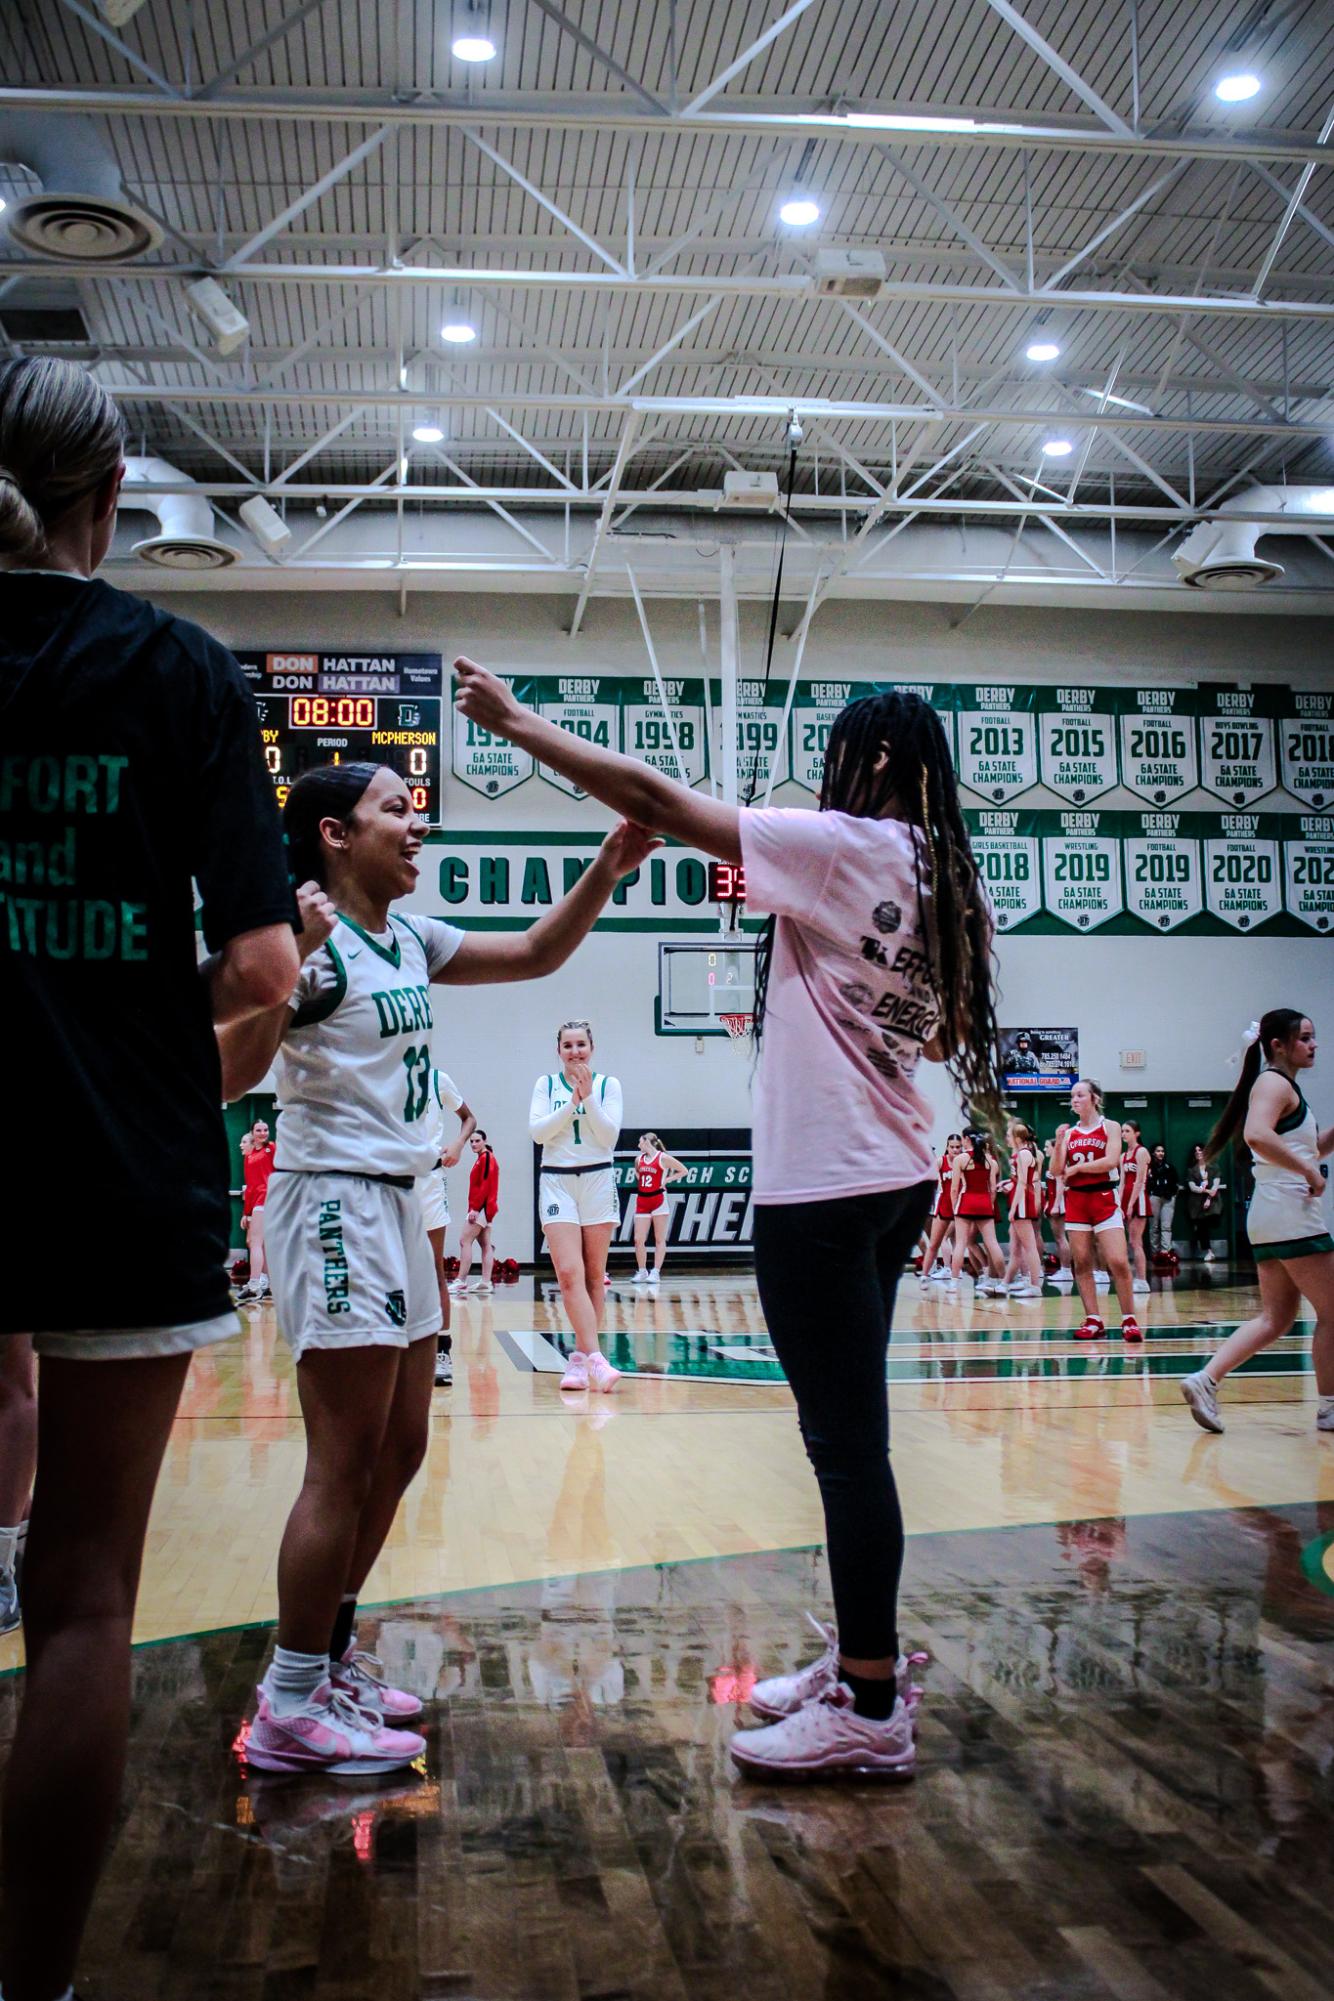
458,331
428,434
1237,87
799,212
1042,350
1057,448
473,48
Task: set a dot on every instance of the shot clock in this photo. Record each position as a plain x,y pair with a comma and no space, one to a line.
727,882
320,708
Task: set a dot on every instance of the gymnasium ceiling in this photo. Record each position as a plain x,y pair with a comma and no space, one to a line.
600,202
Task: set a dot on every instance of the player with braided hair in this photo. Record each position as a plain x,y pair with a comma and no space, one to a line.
878,954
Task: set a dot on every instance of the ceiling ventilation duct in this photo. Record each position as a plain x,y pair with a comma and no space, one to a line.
185,540
80,213
1221,555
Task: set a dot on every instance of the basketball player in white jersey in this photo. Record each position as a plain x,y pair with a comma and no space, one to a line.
575,1117
351,1269
433,1191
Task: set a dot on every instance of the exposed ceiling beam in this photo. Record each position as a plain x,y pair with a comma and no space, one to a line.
1068,74
705,500
852,124
791,285
776,407
600,55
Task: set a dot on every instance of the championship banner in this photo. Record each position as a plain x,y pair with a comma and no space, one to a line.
1164,868
759,730
1238,759
676,743
585,705
943,698
997,753
1308,874
505,881
1081,869
1242,880
1010,865
1158,752
1306,736
487,763
1077,743
815,708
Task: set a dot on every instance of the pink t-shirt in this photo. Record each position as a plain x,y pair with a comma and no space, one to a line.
849,1006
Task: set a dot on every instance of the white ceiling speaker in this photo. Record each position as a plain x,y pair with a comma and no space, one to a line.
227,325
266,525
185,538
849,274
757,492
1221,555
80,214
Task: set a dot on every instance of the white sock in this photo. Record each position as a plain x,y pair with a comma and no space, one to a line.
293,1678
11,1541
1326,1403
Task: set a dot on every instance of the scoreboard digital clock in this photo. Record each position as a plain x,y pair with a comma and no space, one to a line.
319,708
727,882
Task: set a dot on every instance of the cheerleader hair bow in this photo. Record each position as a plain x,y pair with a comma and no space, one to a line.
1250,1035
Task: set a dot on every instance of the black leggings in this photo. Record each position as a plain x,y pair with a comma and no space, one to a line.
827,1274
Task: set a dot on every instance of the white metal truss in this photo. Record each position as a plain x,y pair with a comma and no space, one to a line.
634,343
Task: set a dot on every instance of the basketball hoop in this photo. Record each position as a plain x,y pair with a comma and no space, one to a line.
738,1026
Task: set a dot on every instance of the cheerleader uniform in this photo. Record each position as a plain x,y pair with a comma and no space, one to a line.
1090,1204
976,1203
944,1210
650,1174
1285,1220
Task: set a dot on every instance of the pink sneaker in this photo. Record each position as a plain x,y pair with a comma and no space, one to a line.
576,1372
353,1677
784,1694
601,1375
828,1739
330,1733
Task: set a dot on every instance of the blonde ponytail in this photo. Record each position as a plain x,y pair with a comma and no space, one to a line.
61,436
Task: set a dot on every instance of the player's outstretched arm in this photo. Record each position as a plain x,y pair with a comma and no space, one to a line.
531,954
629,787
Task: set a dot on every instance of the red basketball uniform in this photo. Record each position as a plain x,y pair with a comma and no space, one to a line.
945,1199
1134,1186
258,1168
1026,1207
649,1173
1090,1204
976,1203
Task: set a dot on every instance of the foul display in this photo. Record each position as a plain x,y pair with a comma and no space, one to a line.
334,708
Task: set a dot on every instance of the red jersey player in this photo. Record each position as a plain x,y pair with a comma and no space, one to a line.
1088,1155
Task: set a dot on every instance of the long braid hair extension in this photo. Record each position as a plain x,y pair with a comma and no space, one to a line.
889,751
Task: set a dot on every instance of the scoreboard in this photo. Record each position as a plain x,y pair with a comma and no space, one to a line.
335,708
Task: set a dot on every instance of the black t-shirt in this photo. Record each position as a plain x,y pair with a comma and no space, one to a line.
130,770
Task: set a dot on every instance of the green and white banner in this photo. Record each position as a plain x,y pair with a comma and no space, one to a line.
761,749
1243,880
998,750
1164,871
1077,743
585,705
1306,735
1238,756
1308,874
1011,865
676,742
1081,870
1158,753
